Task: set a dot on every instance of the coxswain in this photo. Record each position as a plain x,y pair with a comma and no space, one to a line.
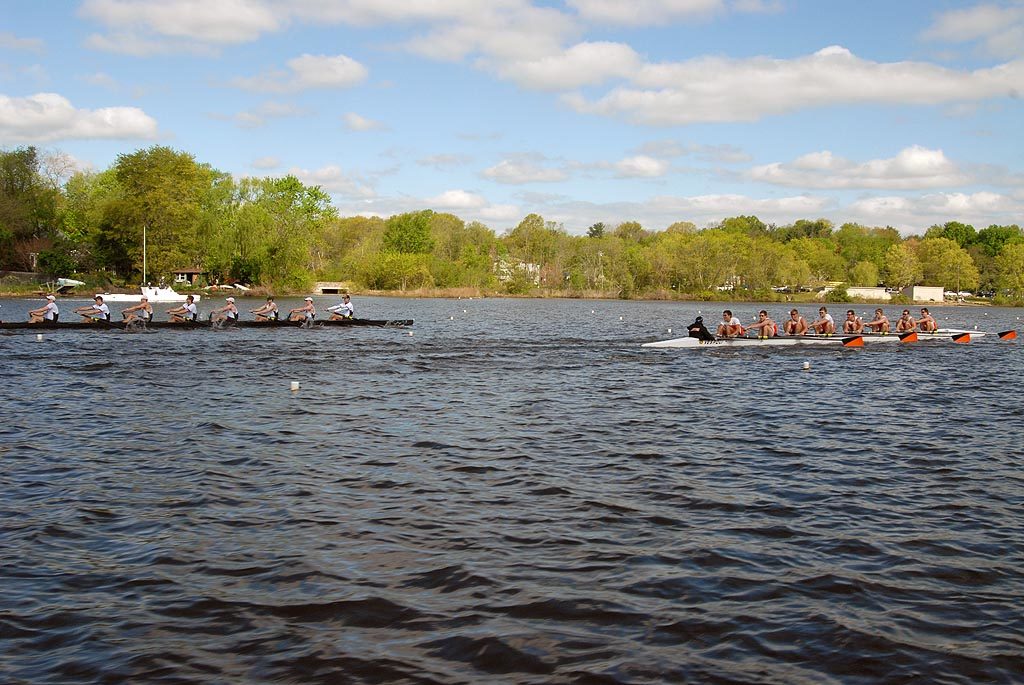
927,322
268,312
345,310
796,325
765,327
906,322
48,312
97,311
825,325
143,311
228,313
730,327
853,323
306,312
880,324
186,313
698,330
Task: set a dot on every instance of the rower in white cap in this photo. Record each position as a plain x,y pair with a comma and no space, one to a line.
228,313
345,310
143,311
306,312
186,313
96,311
48,312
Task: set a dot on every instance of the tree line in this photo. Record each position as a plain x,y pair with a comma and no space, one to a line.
282,234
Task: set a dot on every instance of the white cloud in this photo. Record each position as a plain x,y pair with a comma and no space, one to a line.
354,122
758,6
265,163
645,12
444,161
9,41
719,89
914,167
457,199
999,29
48,116
182,23
516,172
307,72
584,64
641,166
101,80
914,214
258,116
332,179
667,149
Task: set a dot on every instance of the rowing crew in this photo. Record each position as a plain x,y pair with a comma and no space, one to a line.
765,327
189,312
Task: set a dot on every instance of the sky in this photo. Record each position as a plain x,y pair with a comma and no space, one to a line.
904,113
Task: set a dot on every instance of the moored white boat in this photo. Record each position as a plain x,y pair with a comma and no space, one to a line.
157,294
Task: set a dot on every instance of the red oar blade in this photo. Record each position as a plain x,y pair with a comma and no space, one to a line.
962,338
1007,335
855,341
908,337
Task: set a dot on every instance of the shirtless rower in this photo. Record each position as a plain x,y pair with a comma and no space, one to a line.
268,312
879,324
186,313
796,325
853,323
927,322
345,310
228,313
906,322
730,326
48,312
825,324
765,327
143,311
306,312
97,311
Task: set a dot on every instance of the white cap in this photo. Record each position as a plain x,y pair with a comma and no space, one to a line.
50,297
230,299
309,299
145,297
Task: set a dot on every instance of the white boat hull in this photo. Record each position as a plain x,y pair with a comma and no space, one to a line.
154,295
781,341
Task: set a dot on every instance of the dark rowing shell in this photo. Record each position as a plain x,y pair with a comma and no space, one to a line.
190,325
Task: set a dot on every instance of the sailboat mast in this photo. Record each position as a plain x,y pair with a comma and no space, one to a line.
143,254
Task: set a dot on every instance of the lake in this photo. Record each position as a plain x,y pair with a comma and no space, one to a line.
510,491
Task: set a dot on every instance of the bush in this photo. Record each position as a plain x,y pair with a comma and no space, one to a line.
838,295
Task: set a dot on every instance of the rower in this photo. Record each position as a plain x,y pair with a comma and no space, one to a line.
825,325
345,310
228,313
143,311
186,313
730,326
927,322
306,312
906,322
698,330
880,324
765,327
268,312
48,312
796,325
97,311
853,323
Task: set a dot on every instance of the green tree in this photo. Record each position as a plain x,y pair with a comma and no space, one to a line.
902,267
945,263
1010,265
992,239
864,273
963,235
409,233
747,225
596,231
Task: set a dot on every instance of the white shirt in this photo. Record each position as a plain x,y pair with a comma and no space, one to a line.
344,309
731,322
51,311
103,309
190,310
828,317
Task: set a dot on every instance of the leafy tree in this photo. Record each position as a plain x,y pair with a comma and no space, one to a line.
682,227
630,231
864,273
804,228
747,225
409,233
902,267
822,256
992,239
947,264
28,207
963,235
1010,265
596,231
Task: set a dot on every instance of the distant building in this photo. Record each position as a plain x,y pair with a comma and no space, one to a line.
869,293
923,293
331,288
189,276
509,269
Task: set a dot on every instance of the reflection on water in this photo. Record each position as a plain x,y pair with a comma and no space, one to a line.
517,492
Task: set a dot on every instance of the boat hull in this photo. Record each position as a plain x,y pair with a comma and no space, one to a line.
207,325
153,294
781,341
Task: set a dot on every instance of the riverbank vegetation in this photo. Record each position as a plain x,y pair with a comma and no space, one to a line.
282,235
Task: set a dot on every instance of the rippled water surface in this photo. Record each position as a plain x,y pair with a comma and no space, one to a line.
514,493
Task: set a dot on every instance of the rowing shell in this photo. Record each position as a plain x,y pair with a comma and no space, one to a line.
100,325
780,341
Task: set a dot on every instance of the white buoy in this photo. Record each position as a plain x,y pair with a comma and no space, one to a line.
592,311
807,366
410,333
464,311
39,337
620,318
295,386
451,318
670,330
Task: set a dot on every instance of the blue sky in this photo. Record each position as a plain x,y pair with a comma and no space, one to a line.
885,113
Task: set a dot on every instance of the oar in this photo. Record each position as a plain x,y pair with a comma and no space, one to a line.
1007,335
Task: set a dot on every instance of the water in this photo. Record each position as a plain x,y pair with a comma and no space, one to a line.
516,493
